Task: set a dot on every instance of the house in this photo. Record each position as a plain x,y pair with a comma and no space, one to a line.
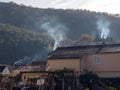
30,77
39,65
4,70
35,66
103,59
24,68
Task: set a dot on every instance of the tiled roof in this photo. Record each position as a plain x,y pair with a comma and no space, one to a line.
39,63
79,51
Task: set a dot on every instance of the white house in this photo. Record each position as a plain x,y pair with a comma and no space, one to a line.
4,70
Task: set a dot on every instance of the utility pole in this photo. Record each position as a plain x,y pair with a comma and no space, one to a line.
63,82
51,82
11,83
0,81
72,81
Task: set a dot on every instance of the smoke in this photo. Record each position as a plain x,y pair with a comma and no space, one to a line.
28,60
103,27
56,30
25,60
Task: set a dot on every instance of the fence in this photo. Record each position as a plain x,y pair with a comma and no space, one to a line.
64,81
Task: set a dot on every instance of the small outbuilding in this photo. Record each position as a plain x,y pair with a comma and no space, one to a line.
4,70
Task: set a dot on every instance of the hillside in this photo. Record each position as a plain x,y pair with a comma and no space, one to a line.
77,21
27,32
17,43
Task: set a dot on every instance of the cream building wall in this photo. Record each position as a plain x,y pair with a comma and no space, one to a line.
57,64
105,65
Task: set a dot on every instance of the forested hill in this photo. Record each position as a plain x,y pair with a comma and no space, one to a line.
27,33
17,44
77,21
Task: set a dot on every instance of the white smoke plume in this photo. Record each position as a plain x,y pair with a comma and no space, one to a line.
56,30
28,60
25,60
103,26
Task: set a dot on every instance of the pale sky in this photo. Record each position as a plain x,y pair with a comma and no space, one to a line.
110,6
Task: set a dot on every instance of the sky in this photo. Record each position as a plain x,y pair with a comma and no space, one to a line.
109,6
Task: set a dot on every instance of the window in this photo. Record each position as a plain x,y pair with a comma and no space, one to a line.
96,59
24,77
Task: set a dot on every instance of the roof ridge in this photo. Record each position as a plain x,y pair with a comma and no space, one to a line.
117,44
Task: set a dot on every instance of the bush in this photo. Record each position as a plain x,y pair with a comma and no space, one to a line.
112,88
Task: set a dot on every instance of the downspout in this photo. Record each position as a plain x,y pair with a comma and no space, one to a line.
80,66
80,62
83,66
